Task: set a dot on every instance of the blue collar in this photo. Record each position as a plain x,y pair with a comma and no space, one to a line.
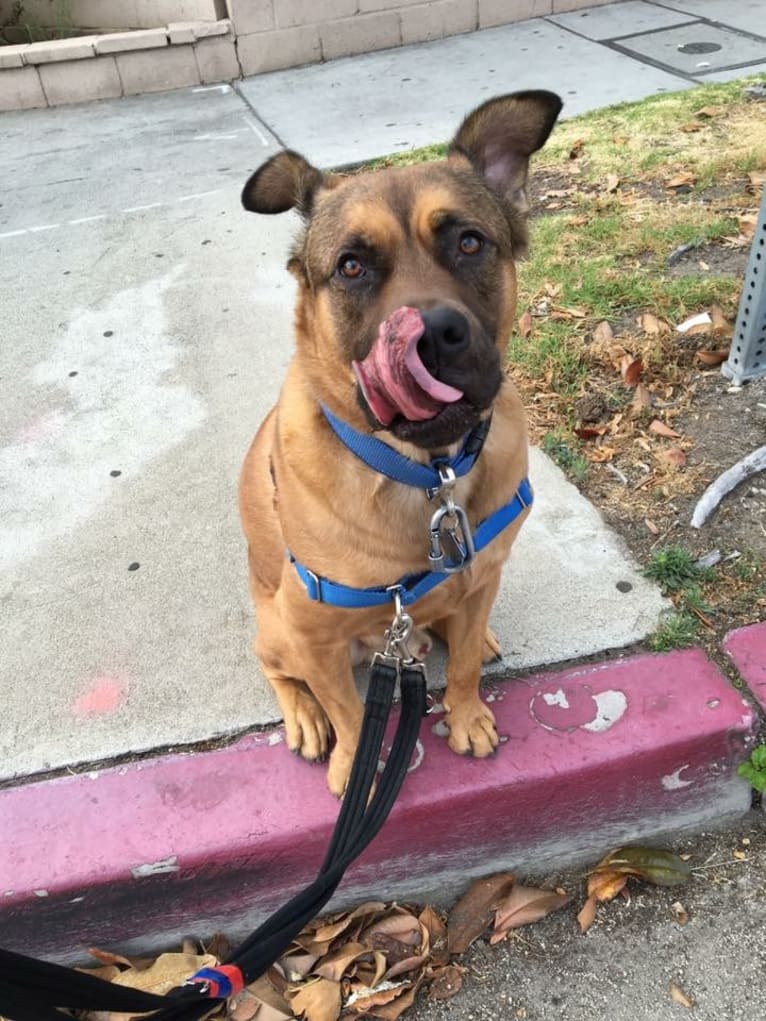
384,459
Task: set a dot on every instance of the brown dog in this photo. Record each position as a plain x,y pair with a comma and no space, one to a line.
407,294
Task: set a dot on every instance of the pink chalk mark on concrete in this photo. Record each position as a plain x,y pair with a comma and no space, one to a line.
104,697
43,428
747,648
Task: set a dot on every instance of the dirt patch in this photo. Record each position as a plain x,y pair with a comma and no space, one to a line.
713,259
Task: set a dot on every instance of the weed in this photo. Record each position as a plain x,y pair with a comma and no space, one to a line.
754,770
676,570
678,631
573,464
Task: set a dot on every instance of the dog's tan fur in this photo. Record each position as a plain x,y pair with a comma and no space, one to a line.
301,489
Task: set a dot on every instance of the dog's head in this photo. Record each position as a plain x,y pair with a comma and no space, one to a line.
406,275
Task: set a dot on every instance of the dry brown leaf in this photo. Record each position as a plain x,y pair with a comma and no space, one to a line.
720,323
649,323
243,1007
567,312
682,180
746,223
328,931
590,432
523,905
471,915
642,399
602,333
525,324
334,965
757,179
630,370
651,526
400,926
713,357
587,914
605,885
660,429
107,958
318,1000
663,868
578,221
673,457
446,982
691,127
167,972
577,147
612,182
362,999
710,111
677,995
680,913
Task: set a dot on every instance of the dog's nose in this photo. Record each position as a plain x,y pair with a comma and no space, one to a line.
446,335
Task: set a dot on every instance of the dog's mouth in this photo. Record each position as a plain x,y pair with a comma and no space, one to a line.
392,377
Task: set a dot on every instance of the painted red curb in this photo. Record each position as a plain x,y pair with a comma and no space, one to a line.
593,756
747,648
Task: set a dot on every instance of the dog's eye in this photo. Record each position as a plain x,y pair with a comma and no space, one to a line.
350,267
470,243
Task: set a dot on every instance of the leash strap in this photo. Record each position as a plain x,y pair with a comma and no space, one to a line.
412,586
32,990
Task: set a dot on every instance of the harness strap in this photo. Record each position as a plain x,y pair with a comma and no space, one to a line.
412,586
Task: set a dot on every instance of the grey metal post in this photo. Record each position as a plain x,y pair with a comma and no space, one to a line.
747,357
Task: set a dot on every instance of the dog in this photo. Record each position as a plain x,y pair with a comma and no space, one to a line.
406,300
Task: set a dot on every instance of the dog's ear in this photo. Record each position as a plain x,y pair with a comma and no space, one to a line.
499,137
286,181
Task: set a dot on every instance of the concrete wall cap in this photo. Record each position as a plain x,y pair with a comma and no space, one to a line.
121,42
54,50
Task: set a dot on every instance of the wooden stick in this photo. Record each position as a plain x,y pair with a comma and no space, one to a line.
717,490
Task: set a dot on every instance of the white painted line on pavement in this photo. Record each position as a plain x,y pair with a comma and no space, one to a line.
256,130
87,219
108,216
140,209
198,195
214,138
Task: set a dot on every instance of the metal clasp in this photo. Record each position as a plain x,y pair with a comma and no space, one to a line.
449,527
398,633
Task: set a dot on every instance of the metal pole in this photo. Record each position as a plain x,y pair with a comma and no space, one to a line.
747,357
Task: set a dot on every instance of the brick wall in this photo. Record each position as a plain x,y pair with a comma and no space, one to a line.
273,34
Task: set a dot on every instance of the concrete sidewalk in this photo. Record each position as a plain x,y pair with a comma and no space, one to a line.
146,330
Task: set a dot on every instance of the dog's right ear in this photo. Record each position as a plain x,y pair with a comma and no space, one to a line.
286,181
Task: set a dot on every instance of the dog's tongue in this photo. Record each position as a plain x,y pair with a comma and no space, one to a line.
393,378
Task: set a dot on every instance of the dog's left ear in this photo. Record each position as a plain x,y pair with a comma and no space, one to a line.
286,181
499,137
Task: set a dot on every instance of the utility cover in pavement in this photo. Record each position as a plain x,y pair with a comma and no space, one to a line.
695,49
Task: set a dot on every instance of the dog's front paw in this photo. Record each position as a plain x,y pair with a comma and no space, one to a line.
306,728
472,729
339,770
492,650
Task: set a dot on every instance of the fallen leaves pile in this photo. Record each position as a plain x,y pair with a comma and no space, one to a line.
373,961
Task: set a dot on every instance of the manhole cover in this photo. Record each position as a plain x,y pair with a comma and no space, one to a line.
699,47
695,49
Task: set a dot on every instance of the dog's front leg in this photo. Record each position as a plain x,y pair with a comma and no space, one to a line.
329,676
471,723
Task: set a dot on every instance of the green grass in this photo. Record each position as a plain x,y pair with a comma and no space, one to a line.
678,631
676,570
567,459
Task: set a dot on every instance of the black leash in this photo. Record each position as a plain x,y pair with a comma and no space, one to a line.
33,990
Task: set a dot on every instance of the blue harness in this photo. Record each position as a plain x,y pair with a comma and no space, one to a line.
435,478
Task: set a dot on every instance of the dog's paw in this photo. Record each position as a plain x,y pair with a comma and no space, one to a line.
307,730
339,771
492,651
472,729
